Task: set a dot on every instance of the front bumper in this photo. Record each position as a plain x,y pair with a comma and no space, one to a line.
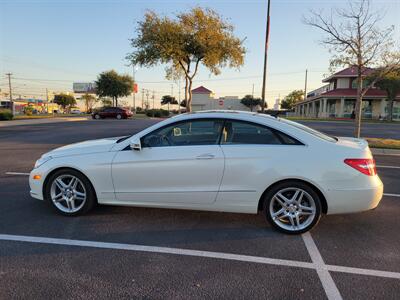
36,185
355,200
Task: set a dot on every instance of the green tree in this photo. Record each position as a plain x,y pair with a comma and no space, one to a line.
111,84
167,99
64,100
355,39
90,101
391,84
250,102
291,99
106,101
194,37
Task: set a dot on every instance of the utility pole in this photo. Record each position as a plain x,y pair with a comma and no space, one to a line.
172,94
252,98
305,86
153,102
10,89
179,95
265,58
142,99
133,90
147,99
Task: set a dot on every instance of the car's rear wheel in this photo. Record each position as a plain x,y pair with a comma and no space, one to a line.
97,116
119,116
292,207
70,192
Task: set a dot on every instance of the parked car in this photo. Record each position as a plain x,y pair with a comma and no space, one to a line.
218,161
76,111
112,112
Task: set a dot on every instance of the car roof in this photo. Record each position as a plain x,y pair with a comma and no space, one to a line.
225,114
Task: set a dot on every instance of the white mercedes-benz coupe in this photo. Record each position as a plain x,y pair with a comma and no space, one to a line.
218,161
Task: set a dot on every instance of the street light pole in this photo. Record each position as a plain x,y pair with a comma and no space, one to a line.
265,58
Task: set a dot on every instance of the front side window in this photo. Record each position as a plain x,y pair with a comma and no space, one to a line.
186,133
237,132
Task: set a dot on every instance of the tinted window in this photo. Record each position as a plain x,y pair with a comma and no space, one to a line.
187,133
310,130
236,132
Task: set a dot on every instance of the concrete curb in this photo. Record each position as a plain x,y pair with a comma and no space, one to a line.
379,151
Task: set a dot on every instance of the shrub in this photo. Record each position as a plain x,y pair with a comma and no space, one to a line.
5,114
158,113
28,110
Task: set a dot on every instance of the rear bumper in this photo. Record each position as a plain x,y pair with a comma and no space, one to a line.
355,200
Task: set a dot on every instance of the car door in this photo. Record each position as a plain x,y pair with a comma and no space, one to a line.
255,156
179,163
105,113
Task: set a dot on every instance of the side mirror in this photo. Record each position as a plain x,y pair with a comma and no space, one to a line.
136,145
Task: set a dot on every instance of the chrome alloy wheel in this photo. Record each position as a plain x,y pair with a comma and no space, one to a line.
68,193
292,209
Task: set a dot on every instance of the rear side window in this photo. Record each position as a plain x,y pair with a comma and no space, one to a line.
237,132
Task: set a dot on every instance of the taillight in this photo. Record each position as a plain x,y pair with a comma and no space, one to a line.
364,165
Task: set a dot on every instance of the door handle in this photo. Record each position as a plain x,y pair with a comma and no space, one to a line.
205,156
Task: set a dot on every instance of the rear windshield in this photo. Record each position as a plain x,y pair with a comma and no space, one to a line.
310,130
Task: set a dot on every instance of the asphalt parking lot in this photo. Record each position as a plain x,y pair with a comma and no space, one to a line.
125,252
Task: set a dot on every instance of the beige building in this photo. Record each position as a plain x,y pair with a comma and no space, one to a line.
203,99
337,98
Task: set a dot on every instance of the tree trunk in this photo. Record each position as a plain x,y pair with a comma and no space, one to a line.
358,108
116,101
189,100
390,108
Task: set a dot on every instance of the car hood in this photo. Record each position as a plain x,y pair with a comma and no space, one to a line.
92,146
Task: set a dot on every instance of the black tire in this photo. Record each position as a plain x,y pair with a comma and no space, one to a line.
90,201
97,117
287,186
119,117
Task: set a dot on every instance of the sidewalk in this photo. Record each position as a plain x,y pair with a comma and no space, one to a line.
41,121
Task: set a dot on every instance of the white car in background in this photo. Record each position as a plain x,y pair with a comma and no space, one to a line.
218,161
76,112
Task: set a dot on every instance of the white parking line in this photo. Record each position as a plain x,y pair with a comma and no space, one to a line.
388,167
17,173
198,253
391,195
328,284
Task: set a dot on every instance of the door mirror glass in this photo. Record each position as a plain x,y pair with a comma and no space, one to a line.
135,144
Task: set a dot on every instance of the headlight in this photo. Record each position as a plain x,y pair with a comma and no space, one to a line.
41,161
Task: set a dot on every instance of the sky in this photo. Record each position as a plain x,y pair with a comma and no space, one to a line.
52,43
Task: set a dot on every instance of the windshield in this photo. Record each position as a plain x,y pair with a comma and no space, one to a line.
310,130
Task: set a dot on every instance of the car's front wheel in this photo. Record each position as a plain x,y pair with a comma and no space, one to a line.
97,116
70,192
119,116
292,207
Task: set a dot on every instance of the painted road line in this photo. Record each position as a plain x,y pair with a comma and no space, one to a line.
391,195
388,167
17,173
325,277
359,271
154,249
207,254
